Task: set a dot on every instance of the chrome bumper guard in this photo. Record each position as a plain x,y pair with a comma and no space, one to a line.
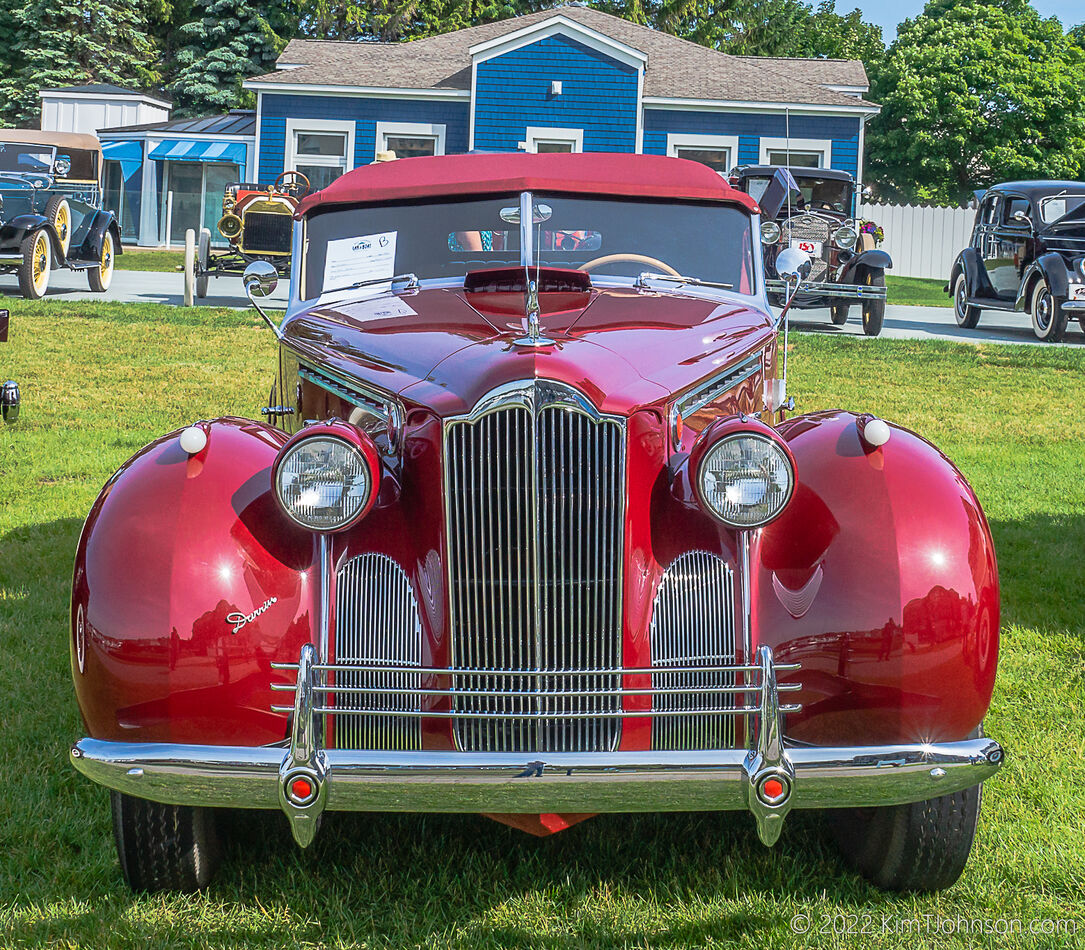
828,289
1075,305
769,778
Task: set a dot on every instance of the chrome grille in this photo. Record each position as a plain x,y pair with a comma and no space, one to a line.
809,227
535,489
377,624
693,625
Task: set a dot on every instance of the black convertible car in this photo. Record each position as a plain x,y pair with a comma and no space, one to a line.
1027,253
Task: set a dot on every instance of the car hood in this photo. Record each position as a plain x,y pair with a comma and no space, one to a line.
446,348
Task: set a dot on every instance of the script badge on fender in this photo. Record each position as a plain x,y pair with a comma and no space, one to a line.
240,620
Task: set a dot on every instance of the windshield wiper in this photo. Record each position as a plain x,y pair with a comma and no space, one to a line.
646,276
410,279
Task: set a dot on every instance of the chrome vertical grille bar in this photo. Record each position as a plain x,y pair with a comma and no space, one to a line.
377,626
546,474
693,625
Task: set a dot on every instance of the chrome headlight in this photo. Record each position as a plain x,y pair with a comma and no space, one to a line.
324,482
745,479
845,237
770,232
62,165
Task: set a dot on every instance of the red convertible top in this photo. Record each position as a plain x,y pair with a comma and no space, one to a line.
587,173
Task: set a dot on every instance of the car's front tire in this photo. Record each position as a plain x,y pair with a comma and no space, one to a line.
203,262
838,313
101,277
920,846
59,213
874,309
37,261
1048,316
164,847
965,314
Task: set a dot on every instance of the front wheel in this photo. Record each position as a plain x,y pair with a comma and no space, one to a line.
838,313
965,314
164,847
920,846
37,260
101,277
190,266
1048,316
203,262
874,308
59,213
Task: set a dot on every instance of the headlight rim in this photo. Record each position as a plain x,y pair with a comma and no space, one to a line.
771,225
354,439
725,430
846,229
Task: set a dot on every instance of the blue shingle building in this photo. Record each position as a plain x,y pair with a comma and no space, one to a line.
565,79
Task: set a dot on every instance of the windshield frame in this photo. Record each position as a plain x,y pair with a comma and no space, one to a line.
527,259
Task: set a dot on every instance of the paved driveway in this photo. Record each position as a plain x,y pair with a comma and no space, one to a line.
914,323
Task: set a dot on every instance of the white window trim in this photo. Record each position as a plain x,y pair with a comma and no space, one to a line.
677,140
823,146
420,130
293,126
539,133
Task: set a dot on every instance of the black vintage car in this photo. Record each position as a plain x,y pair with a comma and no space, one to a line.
1027,253
51,211
820,220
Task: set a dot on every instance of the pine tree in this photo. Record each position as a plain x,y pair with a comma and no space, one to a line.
228,41
73,42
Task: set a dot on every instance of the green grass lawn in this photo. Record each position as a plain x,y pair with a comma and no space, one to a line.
141,258
100,380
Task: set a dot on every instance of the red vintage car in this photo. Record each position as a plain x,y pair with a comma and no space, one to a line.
530,531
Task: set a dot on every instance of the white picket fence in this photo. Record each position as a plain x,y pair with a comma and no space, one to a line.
923,242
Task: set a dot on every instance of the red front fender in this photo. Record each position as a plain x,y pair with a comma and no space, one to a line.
189,582
880,579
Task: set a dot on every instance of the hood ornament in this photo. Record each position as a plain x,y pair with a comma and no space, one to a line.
534,336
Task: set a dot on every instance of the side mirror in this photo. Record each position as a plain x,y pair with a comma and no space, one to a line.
1021,218
867,193
793,265
260,279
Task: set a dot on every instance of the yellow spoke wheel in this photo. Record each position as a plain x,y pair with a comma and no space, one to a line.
37,261
59,213
102,276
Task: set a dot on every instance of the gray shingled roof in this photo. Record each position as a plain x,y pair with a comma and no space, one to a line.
676,68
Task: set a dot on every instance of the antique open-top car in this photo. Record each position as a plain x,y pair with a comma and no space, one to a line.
846,267
530,532
257,221
51,212
1027,253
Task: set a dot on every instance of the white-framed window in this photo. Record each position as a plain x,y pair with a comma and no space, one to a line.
321,149
543,139
410,139
800,153
718,152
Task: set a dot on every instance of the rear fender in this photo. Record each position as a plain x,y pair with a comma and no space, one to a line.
189,582
975,274
880,579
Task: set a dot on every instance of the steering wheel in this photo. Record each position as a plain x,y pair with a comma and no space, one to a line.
631,259
295,184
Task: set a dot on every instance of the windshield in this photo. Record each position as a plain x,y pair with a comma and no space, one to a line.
815,194
1058,206
25,158
607,237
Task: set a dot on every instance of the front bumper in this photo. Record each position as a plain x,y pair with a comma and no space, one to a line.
768,778
826,289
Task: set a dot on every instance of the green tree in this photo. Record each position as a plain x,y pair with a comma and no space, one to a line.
68,42
974,92
228,41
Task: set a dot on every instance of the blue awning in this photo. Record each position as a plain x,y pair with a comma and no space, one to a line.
129,154
188,150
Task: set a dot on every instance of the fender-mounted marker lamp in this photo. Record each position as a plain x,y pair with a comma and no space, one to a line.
193,440
876,432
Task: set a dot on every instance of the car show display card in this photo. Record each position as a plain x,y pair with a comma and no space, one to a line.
355,260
